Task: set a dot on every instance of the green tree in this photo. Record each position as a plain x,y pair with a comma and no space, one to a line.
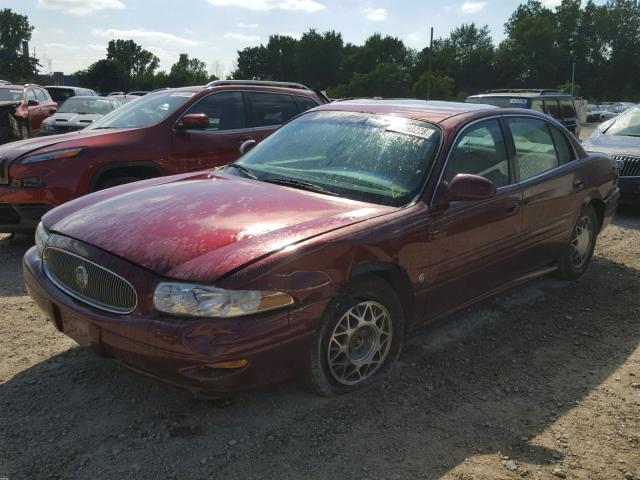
140,64
318,58
14,29
385,80
188,71
252,64
441,86
104,76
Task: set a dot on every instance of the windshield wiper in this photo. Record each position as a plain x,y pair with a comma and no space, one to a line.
302,185
244,170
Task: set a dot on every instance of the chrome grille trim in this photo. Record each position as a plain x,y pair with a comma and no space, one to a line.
630,165
110,292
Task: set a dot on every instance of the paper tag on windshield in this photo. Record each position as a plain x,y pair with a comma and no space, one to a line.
413,130
518,101
182,94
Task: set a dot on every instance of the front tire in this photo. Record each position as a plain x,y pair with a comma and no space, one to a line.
360,338
576,255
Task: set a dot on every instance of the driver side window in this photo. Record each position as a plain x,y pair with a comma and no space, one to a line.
480,151
224,109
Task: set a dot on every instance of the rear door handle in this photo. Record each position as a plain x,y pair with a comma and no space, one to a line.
578,184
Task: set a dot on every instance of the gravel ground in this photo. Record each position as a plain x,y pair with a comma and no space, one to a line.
540,382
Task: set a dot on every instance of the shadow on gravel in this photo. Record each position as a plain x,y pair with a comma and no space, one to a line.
485,380
628,217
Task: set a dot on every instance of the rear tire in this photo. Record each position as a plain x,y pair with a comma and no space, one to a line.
359,340
115,181
576,255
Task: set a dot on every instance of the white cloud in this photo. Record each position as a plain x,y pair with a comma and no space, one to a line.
246,25
308,6
61,46
149,35
375,14
470,7
295,35
81,7
551,3
97,46
242,37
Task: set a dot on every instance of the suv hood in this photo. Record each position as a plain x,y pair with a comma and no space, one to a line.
613,144
19,148
199,227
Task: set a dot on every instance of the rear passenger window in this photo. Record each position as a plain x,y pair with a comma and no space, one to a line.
41,96
563,148
535,150
30,95
305,103
551,108
567,109
271,108
537,105
225,111
480,151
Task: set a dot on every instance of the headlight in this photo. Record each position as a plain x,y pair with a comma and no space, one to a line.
42,237
46,126
57,154
205,301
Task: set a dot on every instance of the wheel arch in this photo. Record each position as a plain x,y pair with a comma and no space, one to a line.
395,276
139,169
599,206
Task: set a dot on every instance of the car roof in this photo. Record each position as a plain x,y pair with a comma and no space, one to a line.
88,97
522,94
68,87
13,87
426,110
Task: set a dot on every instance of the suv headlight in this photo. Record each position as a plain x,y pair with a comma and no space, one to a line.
42,237
55,155
206,301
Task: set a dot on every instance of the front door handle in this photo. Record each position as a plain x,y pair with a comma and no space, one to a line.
578,184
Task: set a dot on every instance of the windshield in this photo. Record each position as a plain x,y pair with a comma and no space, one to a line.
10,95
143,111
371,158
87,105
627,124
59,95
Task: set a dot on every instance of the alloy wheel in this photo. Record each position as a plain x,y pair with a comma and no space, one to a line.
581,242
359,342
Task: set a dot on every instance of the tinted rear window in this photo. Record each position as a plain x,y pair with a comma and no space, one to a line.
59,95
567,109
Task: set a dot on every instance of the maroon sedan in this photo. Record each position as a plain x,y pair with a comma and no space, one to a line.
321,248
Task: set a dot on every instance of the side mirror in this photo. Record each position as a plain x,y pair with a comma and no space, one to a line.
52,111
469,187
193,121
32,103
247,145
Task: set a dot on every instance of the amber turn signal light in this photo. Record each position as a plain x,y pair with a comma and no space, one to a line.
232,364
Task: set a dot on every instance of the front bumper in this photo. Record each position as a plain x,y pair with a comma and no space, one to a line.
181,351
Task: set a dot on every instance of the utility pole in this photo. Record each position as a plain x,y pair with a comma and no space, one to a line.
573,76
430,59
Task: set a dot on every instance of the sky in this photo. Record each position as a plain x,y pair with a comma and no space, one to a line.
69,35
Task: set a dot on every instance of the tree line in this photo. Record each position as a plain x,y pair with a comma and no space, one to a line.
540,49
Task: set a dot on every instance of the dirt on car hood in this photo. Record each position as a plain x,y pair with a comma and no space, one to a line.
200,227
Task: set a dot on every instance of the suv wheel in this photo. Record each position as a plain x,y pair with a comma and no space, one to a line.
360,338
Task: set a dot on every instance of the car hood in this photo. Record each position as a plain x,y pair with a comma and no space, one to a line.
19,148
72,119
613,144
200,227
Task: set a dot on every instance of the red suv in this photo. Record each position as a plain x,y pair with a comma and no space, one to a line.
28,105
171,131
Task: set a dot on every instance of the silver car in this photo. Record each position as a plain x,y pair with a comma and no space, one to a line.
79,112
620,138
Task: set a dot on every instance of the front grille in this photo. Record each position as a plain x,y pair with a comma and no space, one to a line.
89,282
628,166
4,171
